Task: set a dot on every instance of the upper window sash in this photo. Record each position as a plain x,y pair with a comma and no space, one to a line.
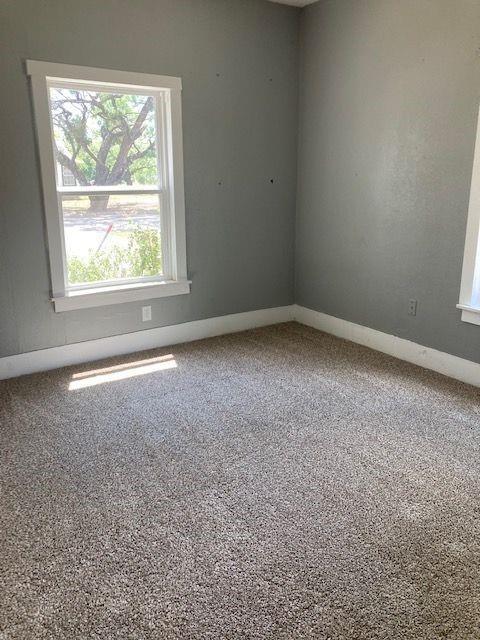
160,99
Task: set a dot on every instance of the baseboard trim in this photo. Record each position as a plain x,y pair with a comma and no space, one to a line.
439,361
71,354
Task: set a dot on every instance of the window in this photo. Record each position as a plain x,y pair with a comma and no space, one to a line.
110,146
470,287
67,179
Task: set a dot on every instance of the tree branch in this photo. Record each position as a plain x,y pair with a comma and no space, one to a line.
129,138
68,163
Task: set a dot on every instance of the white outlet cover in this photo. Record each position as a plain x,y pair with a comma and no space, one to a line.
146,314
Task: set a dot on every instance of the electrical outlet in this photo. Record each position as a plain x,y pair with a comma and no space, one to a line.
412,307
146,314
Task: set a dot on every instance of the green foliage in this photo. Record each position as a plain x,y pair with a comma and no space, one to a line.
141,257
92,127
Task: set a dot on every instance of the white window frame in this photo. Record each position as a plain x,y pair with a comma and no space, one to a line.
470,286
167,92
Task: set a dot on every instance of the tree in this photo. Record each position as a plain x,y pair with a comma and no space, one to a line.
104,138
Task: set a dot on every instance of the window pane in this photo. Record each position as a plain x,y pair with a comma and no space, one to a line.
103,138
112,237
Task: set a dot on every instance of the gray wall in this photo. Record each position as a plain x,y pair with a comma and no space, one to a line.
389,93
238,61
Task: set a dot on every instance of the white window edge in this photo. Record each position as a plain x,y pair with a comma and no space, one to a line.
99,297
469,301
106,76
469,314
41,73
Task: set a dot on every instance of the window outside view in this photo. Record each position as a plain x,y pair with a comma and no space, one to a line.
107,141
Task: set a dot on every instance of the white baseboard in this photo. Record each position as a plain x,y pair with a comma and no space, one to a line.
70,354
452,366
91,350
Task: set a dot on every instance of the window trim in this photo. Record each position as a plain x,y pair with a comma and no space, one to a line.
469,302
115,294
42,74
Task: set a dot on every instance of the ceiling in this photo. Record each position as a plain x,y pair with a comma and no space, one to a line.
295,3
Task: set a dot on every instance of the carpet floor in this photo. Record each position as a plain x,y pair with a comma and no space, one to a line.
274,484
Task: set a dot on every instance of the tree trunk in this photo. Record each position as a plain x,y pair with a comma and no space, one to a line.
98,203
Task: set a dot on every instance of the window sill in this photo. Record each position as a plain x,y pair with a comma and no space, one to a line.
469,314
103,296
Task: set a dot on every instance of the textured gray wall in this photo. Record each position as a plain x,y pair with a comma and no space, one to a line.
238,61
389,93
389,97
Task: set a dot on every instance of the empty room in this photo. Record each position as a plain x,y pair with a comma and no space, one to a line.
240,320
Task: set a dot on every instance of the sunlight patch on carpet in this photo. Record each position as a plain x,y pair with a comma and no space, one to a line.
121,372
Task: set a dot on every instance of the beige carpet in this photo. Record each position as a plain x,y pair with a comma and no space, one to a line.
276,484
